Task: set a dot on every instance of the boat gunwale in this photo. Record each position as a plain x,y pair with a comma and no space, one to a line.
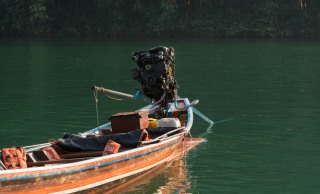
94,162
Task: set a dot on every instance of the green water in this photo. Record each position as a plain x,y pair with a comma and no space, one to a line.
269,90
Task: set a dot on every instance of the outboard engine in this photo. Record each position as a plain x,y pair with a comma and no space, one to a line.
155,71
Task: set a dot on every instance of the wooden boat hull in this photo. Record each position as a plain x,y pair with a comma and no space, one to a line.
93,173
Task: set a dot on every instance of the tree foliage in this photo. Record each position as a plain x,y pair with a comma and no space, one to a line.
163,18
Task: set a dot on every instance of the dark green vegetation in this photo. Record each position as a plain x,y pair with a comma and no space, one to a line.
165,18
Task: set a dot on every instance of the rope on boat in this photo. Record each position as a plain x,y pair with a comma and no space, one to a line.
95,94
189,133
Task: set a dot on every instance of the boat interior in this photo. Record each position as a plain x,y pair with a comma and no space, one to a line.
126,131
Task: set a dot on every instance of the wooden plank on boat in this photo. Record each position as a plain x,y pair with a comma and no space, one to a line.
42,163
81,154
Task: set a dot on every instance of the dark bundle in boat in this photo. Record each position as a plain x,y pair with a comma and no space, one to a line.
131,139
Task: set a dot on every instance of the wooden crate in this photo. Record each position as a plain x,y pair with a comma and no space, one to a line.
124,122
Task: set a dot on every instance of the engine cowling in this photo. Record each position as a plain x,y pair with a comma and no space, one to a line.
155,71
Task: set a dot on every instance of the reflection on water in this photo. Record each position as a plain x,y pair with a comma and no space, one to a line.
170,177
173,177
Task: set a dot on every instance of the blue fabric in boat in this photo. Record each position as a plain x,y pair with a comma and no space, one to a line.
74,143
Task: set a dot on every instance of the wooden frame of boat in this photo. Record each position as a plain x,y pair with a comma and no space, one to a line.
86,170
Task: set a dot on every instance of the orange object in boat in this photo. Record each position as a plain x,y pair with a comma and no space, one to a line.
14,158
111,148
51,153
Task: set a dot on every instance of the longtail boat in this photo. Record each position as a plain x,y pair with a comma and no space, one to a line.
131,144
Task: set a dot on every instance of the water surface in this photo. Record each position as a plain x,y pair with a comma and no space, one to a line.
269,89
